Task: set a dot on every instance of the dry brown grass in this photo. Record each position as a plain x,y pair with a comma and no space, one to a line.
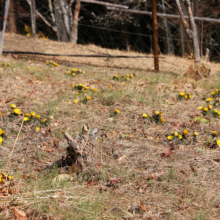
144,185
171,64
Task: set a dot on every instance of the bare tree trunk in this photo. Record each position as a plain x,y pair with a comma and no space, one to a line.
11,24
155,35
33,18
61,30
169,47
3,22
192,33
74,33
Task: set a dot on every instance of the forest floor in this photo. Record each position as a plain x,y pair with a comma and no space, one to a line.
136,172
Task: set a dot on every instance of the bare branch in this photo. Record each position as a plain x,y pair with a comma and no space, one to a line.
43,19
51,13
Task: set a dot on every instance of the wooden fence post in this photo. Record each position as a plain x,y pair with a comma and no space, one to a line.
3,22
155,35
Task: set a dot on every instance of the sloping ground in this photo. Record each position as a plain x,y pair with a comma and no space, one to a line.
136,173
169,64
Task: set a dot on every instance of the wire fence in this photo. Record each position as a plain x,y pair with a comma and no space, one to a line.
106,37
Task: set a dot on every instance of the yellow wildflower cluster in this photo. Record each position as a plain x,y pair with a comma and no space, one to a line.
32,116
127,77
157,117
2,133
52,63
216,93
180,136
4,178
186,96
209,110
75,72
5,64
15,110
83,88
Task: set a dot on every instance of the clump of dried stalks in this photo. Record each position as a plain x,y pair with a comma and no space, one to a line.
199,69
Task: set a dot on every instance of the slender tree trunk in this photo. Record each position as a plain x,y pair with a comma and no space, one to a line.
155,35
190,29
33,18
3,21
61,30
11,24
169,47
74,33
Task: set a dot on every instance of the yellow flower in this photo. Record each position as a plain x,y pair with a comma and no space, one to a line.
77,93
160,114
1,131
180,136
37,129
75,101
110,86
214,133
74,70
73,74
216,111
201,107
206,109
86,87
44,120
88,98
213,93
95,90
9,177
1,180
176,133
27,115
144,115
13,106
128,79
38,116
186,96
116,76
195,133
209,100
156,112
210,106
218,142
218,100
33,114
1,140
162,120
117,111
185,131
26,118
17,111
170,137
182,94
123,83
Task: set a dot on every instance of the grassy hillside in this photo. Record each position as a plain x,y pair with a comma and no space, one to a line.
135,170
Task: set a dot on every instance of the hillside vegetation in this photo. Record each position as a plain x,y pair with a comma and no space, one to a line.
156,154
